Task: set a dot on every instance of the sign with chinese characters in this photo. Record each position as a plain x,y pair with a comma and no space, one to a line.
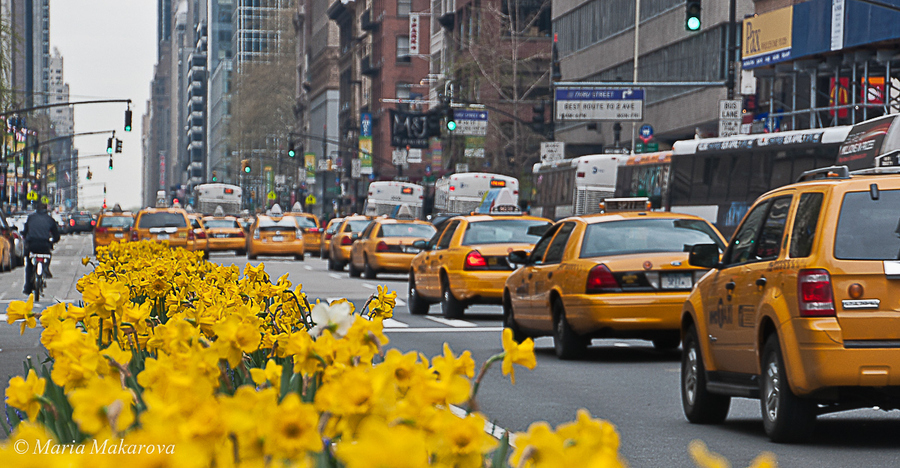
414,38
599,104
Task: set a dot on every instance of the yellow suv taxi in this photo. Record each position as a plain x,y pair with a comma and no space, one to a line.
802,311
466,262
342,239
113,226
386,246
622,275
164,224
275,235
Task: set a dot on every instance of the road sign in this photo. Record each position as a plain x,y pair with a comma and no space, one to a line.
729,117
646,133
310,199
280,179
414,156
271,195
646,147
470,122
355,168
45,199
462,167
398,157
552,151
32,196
615,104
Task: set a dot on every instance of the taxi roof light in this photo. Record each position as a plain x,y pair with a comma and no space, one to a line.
475,261
814,293
614,205
601,280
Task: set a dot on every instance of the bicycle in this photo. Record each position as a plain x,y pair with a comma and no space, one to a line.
39,262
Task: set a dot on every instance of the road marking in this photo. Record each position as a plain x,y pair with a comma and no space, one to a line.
622,345
335,275
308,267
3,317
492,429
400,302
451,322
445,330
391,323
369,286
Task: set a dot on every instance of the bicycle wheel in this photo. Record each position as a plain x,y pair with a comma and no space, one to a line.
38,287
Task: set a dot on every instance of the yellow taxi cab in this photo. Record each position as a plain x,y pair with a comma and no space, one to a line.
275,234
327,233
113,226
201,241
385,246
225,233
163,224
312,233
802,311
342,240
466,262
618,274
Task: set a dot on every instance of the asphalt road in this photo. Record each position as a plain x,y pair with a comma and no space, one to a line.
625,382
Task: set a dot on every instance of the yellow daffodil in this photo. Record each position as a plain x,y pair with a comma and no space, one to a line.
24,394
19,310
516,353
272,374
102,404
379,445
293,429
85,260
540,447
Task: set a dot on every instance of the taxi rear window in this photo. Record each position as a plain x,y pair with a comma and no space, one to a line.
305,222
356,225
268,224
646,236
155,220
116,221
502,231
221,224
869,229
406,230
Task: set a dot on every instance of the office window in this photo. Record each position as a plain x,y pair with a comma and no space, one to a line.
403,49
404,7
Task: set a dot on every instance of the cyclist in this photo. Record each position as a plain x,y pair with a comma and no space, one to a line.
40,233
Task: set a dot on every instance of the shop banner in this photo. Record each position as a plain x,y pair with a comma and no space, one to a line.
767,38
309,160
365,143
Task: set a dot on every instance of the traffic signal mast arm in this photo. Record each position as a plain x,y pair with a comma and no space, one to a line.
61,104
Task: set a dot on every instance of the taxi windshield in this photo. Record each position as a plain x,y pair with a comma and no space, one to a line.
646,236
163,219
305,222
356,225
868,229
269,224
423,231
502,231
221,224
116,221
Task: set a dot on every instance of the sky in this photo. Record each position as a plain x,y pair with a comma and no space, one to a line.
109,50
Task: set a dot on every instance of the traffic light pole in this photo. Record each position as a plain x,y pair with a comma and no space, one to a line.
61,104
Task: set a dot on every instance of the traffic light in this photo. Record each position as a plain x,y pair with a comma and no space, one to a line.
433,122
215,178
118,145
537,118
451,119
110,163
291,151
692,15
245,166
89,174
109,145
127,120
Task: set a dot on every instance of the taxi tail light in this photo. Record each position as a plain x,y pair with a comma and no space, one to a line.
93,222
475,261
240,234
381,247
328,236
601,280
315,230
201,234
346,240
814,293
190,235
71,222
134,236
101,230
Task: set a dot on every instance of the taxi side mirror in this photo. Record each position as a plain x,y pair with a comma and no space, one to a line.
420,244
704,256
517,257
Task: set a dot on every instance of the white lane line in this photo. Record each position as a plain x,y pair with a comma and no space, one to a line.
335,276
400,302
4,294
451,322
492,429
391,323
369,286
308,267
622,345
3,317
444,330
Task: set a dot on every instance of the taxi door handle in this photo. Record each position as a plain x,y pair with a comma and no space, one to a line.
550,275
529,275
761,281
730,285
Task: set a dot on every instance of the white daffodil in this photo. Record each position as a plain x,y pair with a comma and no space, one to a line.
336,318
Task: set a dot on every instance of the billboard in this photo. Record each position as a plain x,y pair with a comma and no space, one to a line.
767,38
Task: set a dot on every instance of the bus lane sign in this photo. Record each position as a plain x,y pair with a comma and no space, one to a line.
611,104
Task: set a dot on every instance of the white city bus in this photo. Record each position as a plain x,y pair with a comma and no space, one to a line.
575,186
209,196
463,193
386,196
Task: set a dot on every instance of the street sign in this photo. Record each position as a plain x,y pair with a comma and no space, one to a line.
470,122
414,156
398,157
355,168
280,179
45,199
729,117
33,196
615,104
646,133
310,199
646,147
462,167
552,151
271,195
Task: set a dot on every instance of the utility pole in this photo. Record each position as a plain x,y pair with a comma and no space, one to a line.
731,47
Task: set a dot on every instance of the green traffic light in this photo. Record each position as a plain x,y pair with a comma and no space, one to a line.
451,125
291,153
247,169
693,23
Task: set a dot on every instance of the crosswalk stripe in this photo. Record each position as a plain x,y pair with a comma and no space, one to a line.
335,275
369,286
451,322
443,330
391,323
401,302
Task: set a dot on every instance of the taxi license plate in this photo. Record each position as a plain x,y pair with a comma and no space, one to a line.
676,281
220,236
119,235
277,238
162,236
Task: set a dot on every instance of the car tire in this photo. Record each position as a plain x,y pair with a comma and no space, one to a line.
331,265
509,320
252,257
354,273
368,271
323,254
699,405
666,342
786,417
451,307
568,344
240,253
417,305
300,258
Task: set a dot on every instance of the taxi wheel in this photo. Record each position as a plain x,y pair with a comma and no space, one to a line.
354,273
452,307
568,344
331,265
786,417
323,254
666,342
252,257
416,304
509,320
700,406
300,258
240,253
368,271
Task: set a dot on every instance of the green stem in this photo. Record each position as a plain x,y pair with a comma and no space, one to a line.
477,383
